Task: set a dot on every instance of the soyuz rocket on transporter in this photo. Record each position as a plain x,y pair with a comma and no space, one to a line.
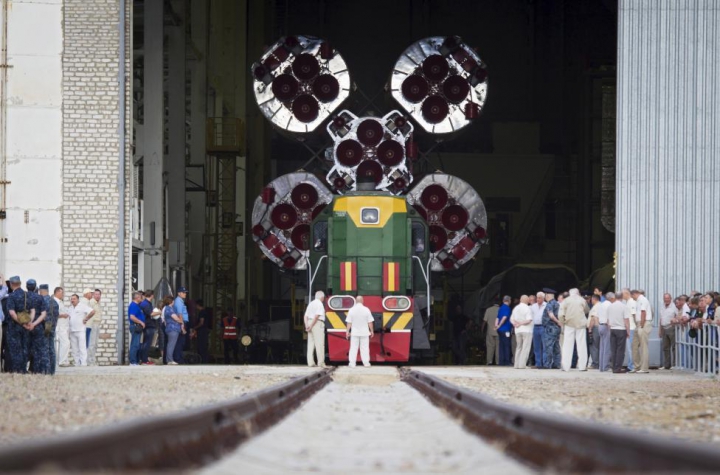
369,226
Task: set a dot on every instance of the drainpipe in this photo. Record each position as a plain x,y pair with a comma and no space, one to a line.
3,136
120,335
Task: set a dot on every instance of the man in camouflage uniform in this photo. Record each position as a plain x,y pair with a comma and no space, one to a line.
53,313
551,332
39,354
18,337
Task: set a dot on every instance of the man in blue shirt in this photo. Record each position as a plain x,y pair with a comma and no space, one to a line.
136,319
504,328
180,309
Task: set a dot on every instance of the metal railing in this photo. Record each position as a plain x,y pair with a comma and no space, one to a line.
699,354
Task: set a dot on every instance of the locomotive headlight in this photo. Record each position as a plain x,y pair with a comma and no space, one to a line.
369,215
396,304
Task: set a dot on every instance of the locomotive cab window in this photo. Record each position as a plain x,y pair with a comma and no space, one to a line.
418,238
370,215
320,236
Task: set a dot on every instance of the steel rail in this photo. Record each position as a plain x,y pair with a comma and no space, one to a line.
173,441
559,443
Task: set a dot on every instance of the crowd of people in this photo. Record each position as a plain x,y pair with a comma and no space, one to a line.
39,330
164,332
592,330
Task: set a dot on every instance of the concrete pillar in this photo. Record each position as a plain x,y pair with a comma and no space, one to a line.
153,223
175,164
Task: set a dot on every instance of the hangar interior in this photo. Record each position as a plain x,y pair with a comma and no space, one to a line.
541,155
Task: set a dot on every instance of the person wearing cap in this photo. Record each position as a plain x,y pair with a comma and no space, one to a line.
180,309
18,338
39,354
51,319
551,331
86,299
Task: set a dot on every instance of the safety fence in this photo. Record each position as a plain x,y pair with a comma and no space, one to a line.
697,350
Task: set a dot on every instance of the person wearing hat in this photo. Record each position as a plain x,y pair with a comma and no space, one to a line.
51,319
180,309
91,330
551,331
21,312
39,352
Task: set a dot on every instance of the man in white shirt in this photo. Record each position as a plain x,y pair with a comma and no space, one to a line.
618,315
643,327
632,308
78,316
604,352
315,328
359,331
522,320
668,320
90,345
537,310
62,330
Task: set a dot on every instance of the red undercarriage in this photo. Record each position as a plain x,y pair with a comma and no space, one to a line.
385,347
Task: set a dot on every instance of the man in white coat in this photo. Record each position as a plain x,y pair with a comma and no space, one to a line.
359,331
315,328
62,331
78,312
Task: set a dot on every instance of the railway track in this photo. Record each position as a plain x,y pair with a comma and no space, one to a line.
174,441
562,444
209,434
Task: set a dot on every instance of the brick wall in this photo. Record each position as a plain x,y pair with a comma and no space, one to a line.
91,158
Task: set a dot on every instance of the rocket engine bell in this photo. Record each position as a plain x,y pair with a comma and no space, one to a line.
441,83
456,218
282,215
299,82
371,147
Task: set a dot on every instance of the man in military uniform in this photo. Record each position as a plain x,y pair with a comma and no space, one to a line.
51,318
551,332
39,355
18,338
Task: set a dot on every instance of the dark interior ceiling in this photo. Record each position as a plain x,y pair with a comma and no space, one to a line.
537,54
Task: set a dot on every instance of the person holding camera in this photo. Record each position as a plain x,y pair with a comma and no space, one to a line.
136,318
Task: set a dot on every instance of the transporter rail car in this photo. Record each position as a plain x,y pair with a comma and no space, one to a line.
369,226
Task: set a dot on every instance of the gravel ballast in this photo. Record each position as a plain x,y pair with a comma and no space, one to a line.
77,398
663,402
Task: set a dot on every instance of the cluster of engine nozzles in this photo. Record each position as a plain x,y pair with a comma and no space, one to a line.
302,80
300,84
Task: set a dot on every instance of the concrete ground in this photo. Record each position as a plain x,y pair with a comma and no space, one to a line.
673,403
77,398
366,421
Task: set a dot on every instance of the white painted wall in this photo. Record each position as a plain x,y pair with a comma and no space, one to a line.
34,142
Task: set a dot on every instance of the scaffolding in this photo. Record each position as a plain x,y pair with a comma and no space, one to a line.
225,143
